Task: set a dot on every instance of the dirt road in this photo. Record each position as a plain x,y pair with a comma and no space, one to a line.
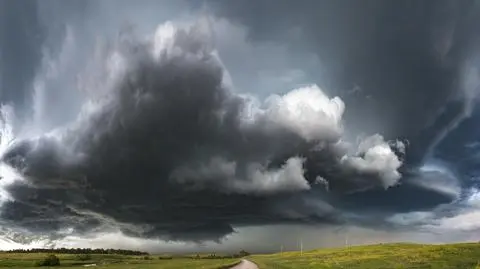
245,264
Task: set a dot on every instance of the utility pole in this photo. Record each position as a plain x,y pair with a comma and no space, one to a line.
281,249
301,247
346,237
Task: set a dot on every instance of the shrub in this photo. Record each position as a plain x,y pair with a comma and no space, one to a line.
243,253
50,260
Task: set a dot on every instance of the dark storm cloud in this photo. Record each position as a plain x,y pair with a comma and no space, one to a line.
171,151
402,60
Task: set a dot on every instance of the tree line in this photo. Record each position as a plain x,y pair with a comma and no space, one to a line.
240,254
78,251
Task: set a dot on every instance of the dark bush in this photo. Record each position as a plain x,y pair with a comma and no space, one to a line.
50,260
243,253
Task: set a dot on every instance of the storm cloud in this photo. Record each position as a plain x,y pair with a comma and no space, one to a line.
170,151
143,128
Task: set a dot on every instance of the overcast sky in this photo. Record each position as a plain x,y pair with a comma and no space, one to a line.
216,125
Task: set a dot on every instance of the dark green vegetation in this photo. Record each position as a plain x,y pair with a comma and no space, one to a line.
78,251
50,260
395,256
114,261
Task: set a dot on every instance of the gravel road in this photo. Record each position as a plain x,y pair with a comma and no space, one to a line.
245,264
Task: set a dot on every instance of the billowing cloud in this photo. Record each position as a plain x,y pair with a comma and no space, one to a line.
308,112
258,179
375,156
169,150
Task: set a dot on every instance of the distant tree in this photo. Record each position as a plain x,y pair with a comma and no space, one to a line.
243,253
78,251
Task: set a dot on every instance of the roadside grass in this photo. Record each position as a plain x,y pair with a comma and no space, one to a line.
27,260
395,256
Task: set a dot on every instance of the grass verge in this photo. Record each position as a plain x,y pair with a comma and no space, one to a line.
396,256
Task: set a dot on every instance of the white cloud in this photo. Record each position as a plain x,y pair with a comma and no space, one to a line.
308,112
374,155
468,220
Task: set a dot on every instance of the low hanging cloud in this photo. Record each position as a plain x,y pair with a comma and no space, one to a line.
258,179
375,156
169,150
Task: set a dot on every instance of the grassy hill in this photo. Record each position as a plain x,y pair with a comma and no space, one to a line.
391,256
28,260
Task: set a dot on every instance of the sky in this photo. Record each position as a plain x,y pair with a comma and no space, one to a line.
188,125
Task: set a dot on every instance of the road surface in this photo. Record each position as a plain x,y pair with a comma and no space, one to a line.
245,264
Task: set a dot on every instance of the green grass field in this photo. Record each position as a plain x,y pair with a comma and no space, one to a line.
114,261
385,256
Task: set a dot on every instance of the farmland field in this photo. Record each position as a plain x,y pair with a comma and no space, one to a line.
14,260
